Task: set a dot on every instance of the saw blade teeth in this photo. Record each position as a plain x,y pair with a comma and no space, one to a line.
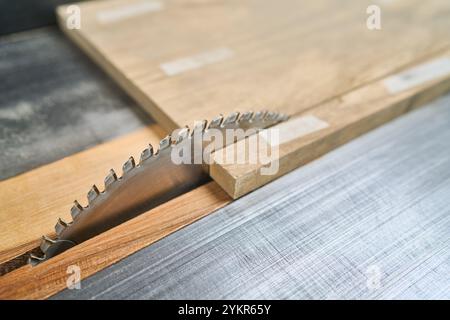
60,226
93,194
269,116
246,116
282,117
216,122
165,143
65,236
128,165
275,116
147,153
110,178
259,116
278,116
46,243
181,135
35,260
76,210
231,118
199,127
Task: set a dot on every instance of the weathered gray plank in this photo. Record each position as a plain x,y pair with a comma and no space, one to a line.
55,102
380,203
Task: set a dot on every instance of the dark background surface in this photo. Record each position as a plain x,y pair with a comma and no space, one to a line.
19,15
53,100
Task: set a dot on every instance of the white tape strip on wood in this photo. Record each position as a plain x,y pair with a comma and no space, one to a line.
293,129
196,61
418,75
128,11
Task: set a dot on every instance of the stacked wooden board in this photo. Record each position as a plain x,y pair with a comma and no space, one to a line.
190,60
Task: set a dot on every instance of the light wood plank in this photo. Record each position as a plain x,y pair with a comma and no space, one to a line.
32,202
347,117
113,245
287,56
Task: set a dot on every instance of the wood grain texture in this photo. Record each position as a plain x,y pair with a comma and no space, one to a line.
288,57
32,202
378,204
93,255
348,117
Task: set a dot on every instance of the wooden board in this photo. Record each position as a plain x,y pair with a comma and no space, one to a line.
186,61
190,60
32,202
113,245
332,124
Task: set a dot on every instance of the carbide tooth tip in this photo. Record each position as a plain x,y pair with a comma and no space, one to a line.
60,226
76,210
216,122
199,127
92,194
165,143
35,260
182,134
128,165
259,115
146,153
246,116
269,116
231,118
110,178
46,243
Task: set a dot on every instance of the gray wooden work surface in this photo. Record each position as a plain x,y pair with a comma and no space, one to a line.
369,220
54,101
